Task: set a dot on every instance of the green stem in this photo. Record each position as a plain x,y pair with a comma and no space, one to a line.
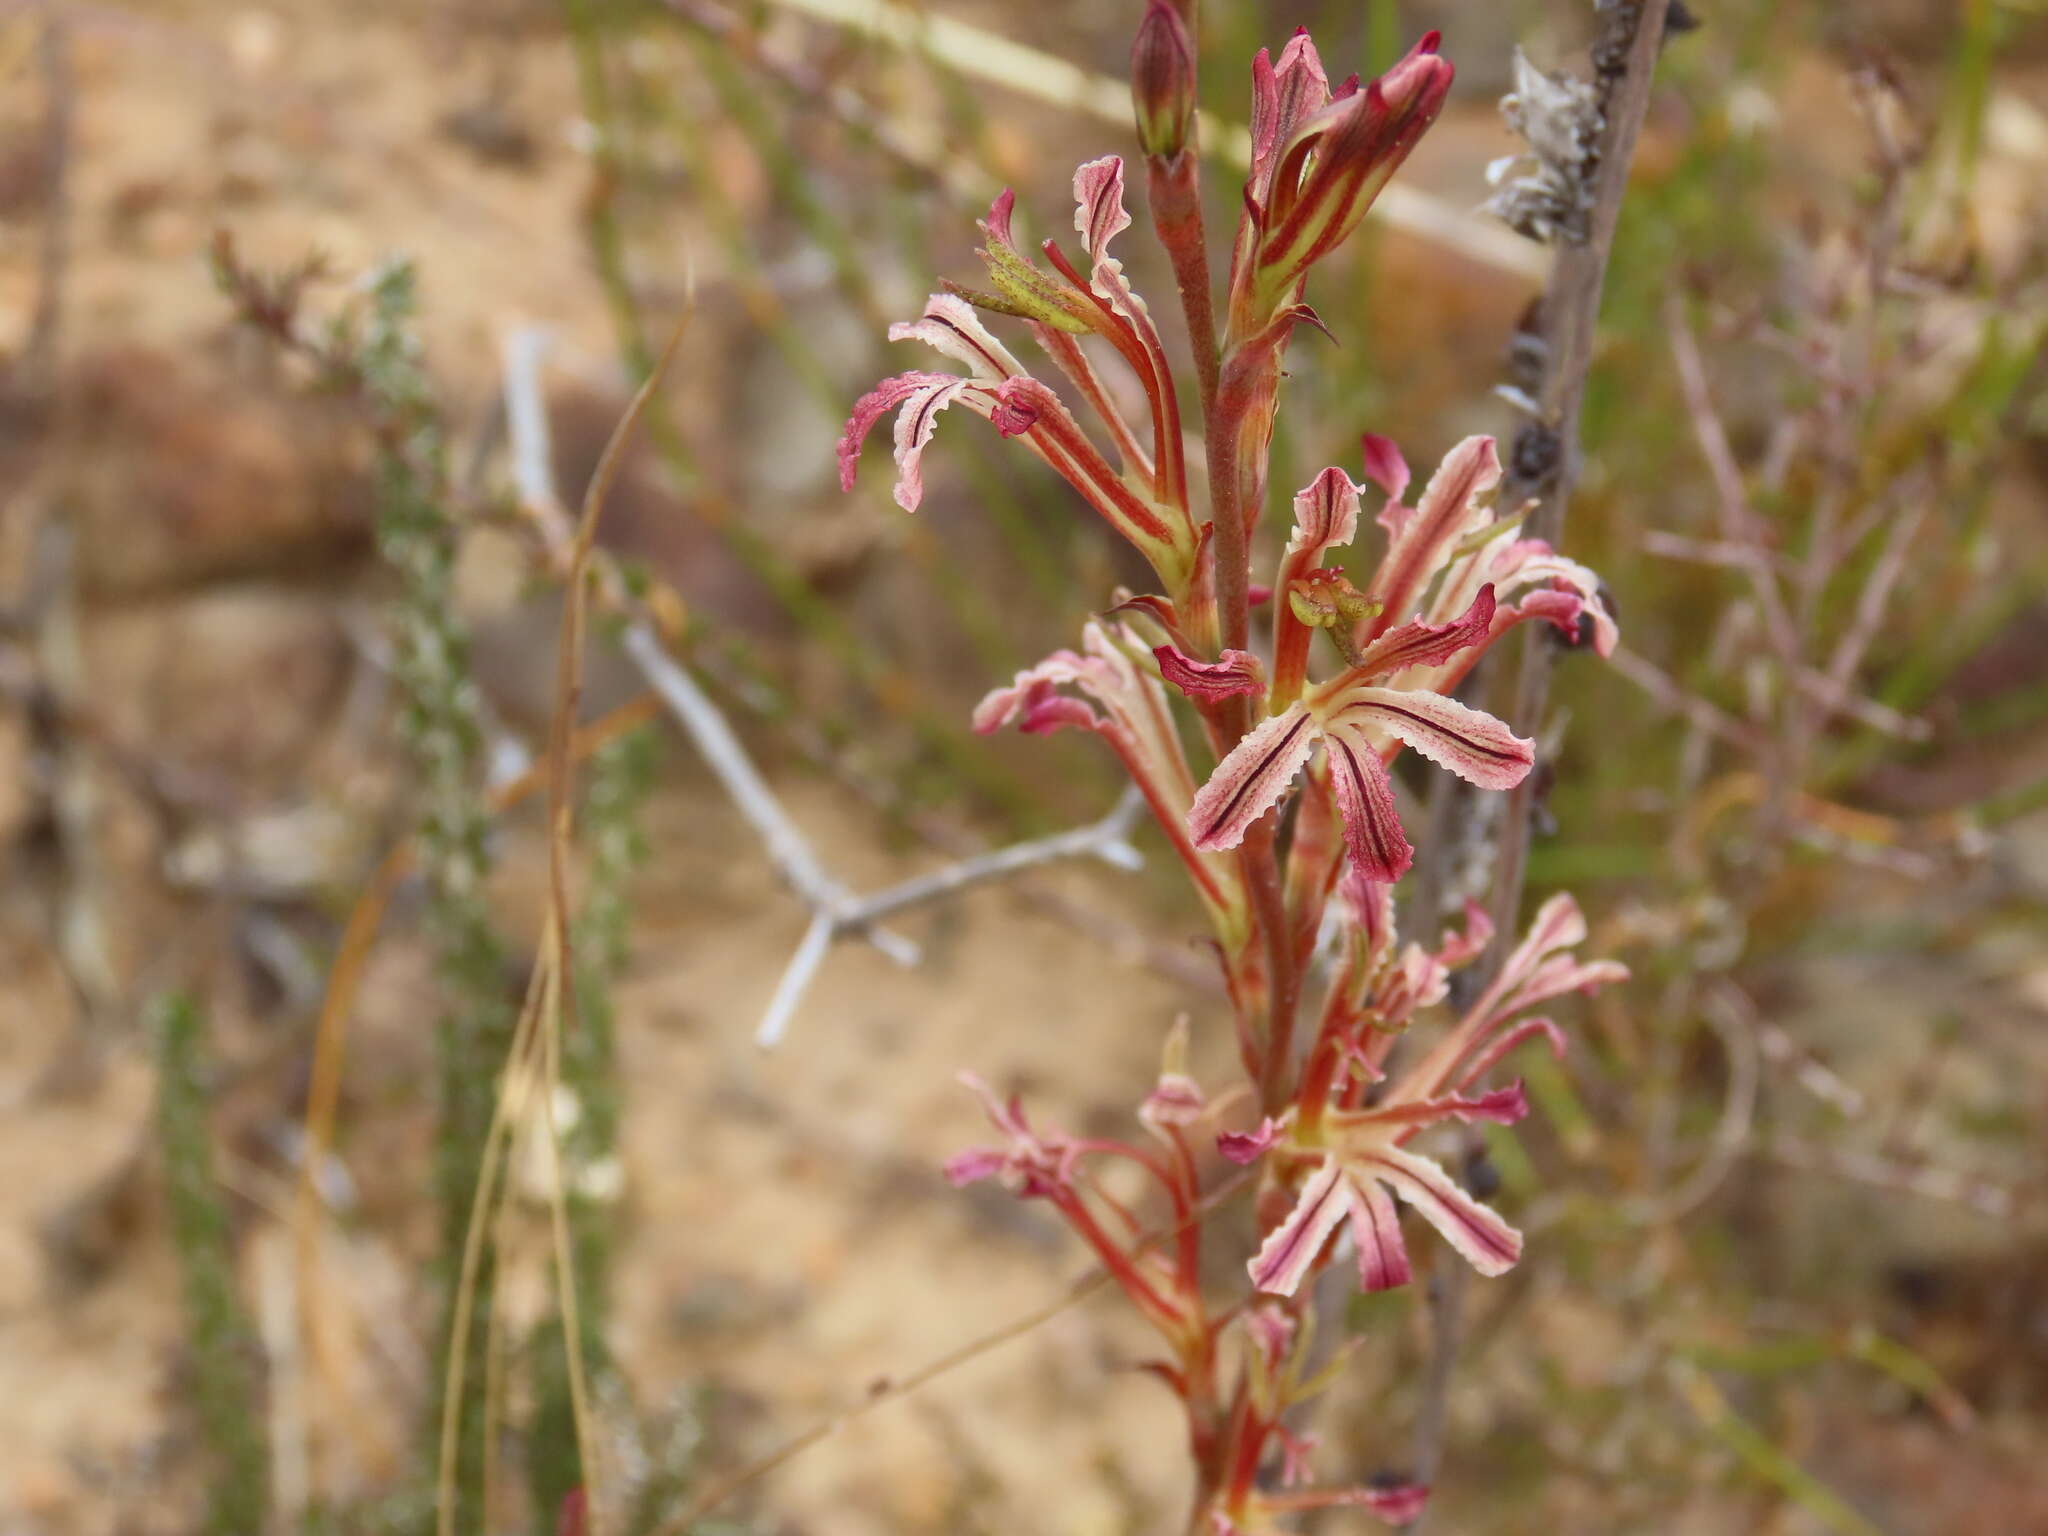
223,1345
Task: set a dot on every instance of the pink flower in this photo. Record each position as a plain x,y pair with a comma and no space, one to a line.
1351,1182
1027,1163
1318,160
1360,723
1443,550
1146,499
1361,1162
1104,689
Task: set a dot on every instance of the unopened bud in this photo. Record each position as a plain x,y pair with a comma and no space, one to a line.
1163,81
1350,149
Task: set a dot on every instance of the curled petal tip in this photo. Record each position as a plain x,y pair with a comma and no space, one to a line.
1210,682
1246,1147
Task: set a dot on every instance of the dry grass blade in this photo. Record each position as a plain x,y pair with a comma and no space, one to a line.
554,964
337,1007
890,1388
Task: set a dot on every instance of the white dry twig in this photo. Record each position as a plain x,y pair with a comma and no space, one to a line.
1929,1181
837,912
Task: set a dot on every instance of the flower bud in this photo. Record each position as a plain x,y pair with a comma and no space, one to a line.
1333,167
1163,81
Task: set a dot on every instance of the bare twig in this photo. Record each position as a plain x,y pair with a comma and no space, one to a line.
1546,465
1880,1172
1630,38
1674,698
837,912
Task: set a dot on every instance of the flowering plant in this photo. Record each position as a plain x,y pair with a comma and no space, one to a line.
1294,833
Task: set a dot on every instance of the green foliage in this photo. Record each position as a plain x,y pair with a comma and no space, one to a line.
622,773
419,537
221,1341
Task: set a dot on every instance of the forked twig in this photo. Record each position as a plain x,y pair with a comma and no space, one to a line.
837,911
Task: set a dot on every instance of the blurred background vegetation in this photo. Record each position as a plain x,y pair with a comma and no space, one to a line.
268,609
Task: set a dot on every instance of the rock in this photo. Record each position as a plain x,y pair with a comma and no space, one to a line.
233,683
179,472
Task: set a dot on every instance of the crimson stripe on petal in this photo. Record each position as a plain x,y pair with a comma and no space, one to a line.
871,408
1099,215
1325,514
1428,645
1210,682
1376,1234
1481,1237
1380,850
1251,779
1472,744
1444,515
915,424
1289,1252
949,325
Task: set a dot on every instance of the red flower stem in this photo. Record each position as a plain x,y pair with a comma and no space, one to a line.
1276,1080
1247,1444
1269,904
1325,1058
1174,186
1117,1262
1186,1190
1222,423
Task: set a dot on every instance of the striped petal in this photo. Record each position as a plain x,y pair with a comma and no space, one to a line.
877,403
1290,1250
1427,645
915,424
1423,540
1495,1052
1480,1236
1503,1106
1210,682
1380,850
1099,215
1376,1234
1325,515
950,325
1472,744
1251,779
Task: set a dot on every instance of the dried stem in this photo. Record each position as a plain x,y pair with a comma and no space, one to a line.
1631,36
1570,314
888,1389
